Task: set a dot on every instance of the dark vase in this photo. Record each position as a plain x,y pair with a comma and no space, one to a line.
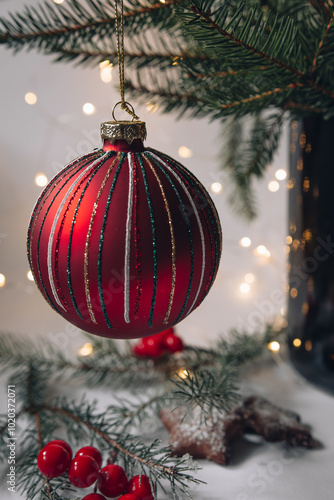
311,267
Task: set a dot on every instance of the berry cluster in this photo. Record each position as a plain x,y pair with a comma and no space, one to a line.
157,345
85,469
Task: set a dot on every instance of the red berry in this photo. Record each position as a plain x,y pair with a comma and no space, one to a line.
94,496
139,350
173,343
83,471
63,444
140,486
112,480
53,460
153,347
129,496
91,452
148,348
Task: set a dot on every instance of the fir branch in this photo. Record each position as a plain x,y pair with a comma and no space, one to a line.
249,159
207,389
51,25
321,7
253,41
258,97
223,74
242,41
152,459
138,59
304,109
316,55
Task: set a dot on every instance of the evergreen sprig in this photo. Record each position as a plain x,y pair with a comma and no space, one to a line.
197,377
203,58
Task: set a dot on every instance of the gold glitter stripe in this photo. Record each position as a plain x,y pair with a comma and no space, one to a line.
209,200
68,168
89,233
171,296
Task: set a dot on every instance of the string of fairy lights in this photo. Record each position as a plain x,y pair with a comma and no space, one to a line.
184,152
279,181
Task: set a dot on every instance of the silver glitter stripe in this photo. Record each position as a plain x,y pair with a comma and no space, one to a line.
198,222
53,229
127,244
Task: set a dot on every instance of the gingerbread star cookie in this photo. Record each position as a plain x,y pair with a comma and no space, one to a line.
274,423
209,437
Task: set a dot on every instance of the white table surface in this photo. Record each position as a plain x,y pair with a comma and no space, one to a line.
260,471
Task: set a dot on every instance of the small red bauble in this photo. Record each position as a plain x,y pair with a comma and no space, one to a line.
124,242
83,471
53,460
141,487
94,496
148,347
112,480
140,350
172,343
129,496
92,452
63,444
152,347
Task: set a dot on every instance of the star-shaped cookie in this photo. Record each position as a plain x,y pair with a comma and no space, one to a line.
211,437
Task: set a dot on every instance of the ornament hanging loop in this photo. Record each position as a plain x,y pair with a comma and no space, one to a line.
119,24
128,106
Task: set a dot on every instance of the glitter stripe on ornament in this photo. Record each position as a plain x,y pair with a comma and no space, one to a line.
186,218
214,213
206,213
154,243
160,161
137,237
89,233
99,262
68,270
171,229
53,228
46,295
53,182
38,208
127,244
213,216
56,258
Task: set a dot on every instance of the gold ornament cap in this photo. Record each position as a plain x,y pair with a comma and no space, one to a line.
125,130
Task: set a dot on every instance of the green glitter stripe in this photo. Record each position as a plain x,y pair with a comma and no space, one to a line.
69,280
47,188
217,237
154,243
99,262
189,234
40,232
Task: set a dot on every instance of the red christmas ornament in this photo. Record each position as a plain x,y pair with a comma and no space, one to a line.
140,486
83,471
53,460
124,242
112,480
92,452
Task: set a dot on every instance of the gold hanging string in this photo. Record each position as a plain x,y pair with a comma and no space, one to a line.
119,24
